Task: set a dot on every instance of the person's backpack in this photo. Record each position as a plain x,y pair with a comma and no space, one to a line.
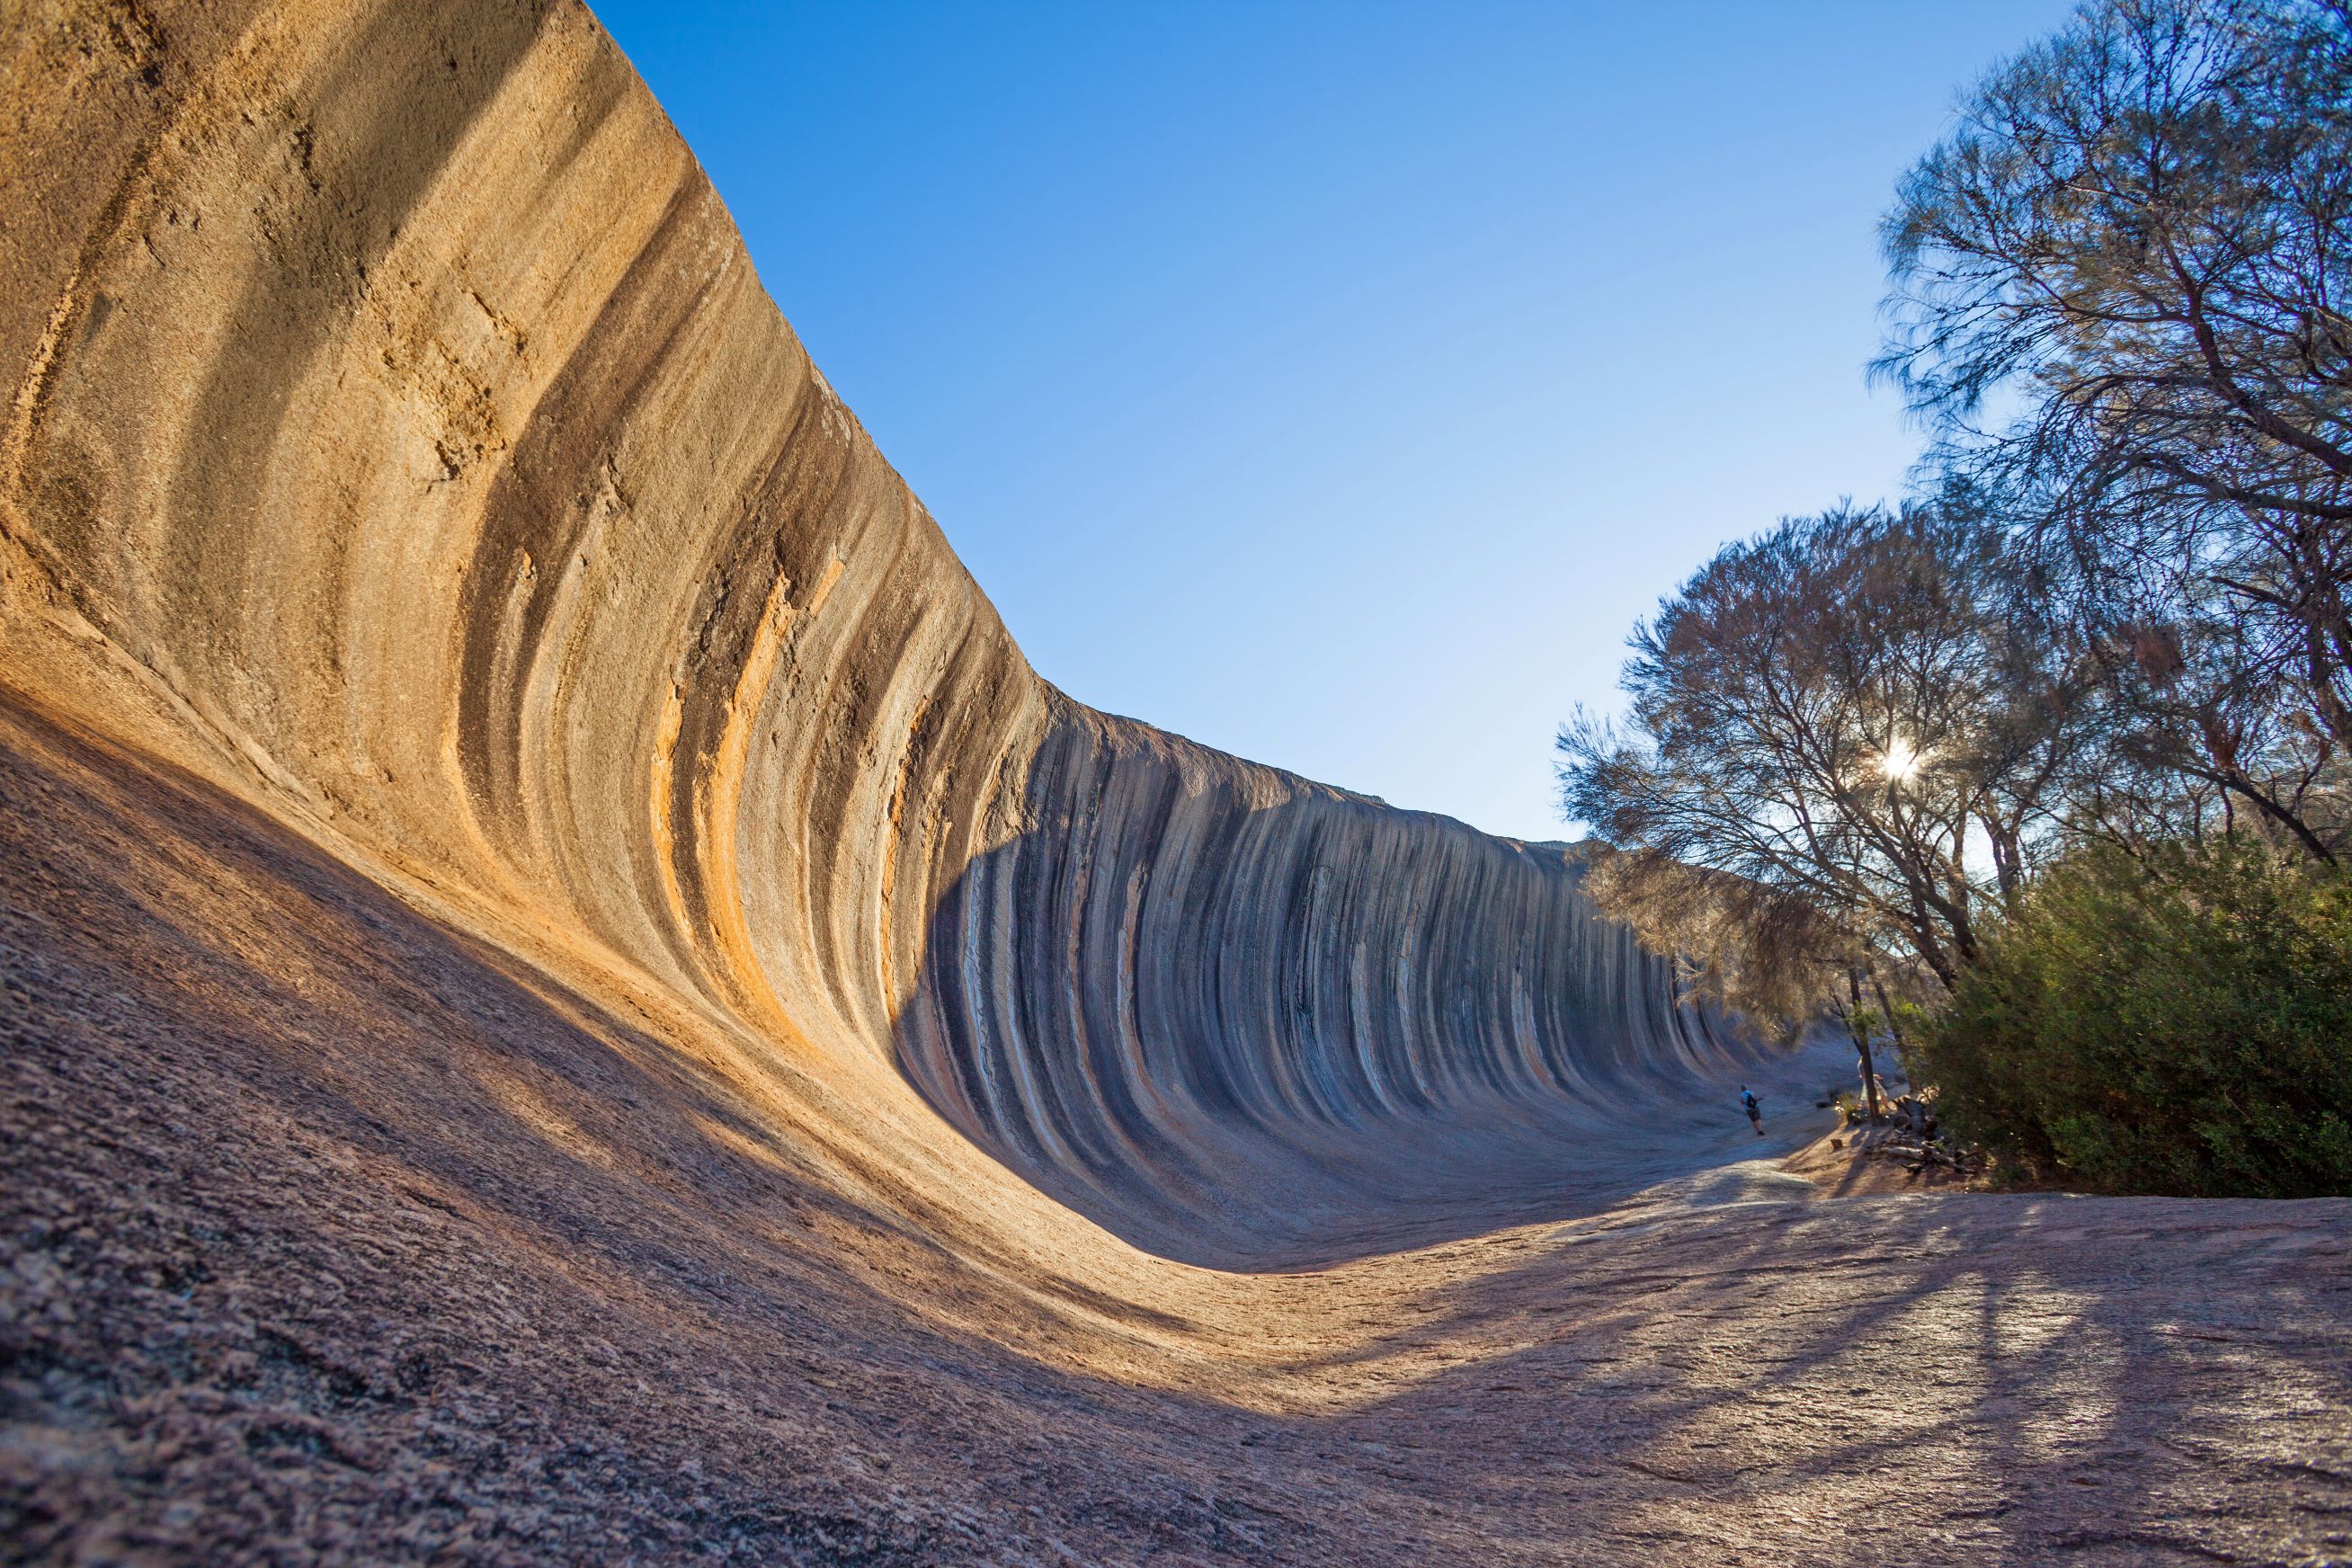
1751,1103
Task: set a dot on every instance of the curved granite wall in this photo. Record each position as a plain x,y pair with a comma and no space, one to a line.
396,418
1283,1002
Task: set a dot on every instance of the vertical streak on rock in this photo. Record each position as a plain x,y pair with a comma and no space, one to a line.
891,843
719,798
664,794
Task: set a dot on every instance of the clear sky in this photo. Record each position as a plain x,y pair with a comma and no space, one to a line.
1335,384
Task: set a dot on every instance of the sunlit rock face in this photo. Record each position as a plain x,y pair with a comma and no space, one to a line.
401,434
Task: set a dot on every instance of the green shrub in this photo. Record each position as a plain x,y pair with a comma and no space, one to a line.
2179,1023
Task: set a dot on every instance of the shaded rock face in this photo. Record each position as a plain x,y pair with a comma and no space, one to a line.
1217,1008
401,433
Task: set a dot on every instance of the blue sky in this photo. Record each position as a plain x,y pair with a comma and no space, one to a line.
1335,384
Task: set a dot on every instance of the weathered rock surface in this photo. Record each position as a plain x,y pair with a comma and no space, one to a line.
405,414
570,994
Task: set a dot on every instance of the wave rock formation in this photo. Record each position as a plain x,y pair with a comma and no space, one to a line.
571,996
400,400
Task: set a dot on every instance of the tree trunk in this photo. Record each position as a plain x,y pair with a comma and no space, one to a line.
1861,1034
1894,1035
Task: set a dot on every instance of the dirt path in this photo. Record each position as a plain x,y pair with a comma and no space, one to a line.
334,1237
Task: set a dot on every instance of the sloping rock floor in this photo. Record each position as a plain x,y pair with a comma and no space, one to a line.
283,1283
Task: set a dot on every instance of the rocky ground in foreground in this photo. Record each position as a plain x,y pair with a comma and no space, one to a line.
283,1283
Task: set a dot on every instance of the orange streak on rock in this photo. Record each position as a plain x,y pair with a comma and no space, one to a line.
718,797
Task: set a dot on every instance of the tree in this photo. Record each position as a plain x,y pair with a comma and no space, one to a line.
1844,738
2120,288
2193,689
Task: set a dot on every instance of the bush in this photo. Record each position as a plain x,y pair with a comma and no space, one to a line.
2177,1024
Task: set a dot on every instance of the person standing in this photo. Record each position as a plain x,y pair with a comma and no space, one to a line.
1754,1107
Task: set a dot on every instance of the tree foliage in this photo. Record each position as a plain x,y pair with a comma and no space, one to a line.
2171,1022
1850,715
2121,287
